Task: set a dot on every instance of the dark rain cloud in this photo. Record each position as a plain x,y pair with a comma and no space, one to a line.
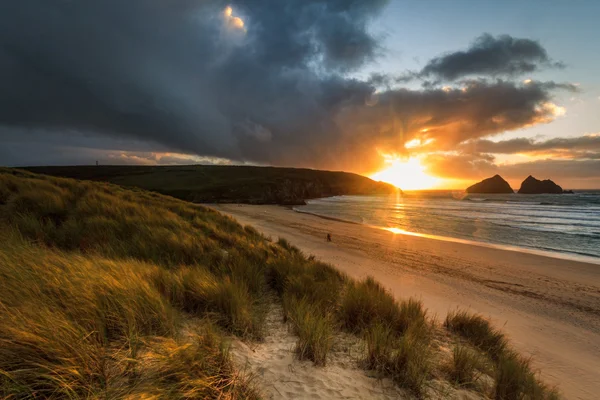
267,83
502,55
184,74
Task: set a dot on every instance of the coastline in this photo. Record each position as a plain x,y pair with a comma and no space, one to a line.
549,307
585,258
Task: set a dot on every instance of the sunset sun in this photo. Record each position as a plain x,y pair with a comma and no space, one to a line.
406,174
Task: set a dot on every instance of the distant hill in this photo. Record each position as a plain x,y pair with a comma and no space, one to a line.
495,184
532,185
228,184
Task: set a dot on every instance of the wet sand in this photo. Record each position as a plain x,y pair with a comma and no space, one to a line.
549,307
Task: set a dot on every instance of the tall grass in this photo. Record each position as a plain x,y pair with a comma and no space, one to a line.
407,358
65,320
464,366
478,331
366,303
97,280
515,379
314,329
513,376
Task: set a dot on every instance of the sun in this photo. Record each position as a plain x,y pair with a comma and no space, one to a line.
406,174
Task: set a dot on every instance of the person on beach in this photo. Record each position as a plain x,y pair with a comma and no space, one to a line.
329,237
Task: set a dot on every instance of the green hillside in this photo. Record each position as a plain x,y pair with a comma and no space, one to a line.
228,184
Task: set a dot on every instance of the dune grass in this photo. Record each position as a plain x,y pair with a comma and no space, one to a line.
98,283
313,327
513,376
515,379
118,293
478,331
464,366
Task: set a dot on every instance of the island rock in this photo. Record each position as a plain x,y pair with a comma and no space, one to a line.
535,186
495,184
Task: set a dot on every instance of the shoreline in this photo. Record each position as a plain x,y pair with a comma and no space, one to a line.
585,258
548,307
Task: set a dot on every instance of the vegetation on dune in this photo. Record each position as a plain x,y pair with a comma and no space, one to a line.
98,283
464,366
513,375
228,184
117,293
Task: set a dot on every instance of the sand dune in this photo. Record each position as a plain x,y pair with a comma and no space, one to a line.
549,307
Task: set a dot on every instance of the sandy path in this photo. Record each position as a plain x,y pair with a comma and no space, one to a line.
282,376
549,307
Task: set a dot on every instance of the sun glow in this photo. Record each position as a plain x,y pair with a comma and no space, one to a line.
235,23
406,174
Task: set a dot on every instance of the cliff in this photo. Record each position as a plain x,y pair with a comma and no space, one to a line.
229,184
495,184
535,186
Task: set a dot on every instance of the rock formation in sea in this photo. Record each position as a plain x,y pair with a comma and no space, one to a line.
495,184
535,186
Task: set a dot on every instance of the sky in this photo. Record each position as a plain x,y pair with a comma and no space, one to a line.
424,94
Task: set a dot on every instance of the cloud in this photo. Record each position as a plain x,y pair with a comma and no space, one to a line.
251,81
472,168
184,74
490,56
460,166
447,117
581,147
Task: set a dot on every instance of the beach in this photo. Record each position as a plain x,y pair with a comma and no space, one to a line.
549,307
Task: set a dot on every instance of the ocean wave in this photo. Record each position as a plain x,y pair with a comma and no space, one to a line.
537,222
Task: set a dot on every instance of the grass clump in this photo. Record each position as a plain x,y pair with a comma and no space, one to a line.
411,363
314,329
199,368
464,366
285,244
379,340
515,380
366,303
478,331
513,376
407,359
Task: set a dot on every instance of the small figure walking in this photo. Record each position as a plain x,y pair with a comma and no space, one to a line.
329,237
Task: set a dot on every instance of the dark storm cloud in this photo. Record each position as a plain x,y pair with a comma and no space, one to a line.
183,74
268,83
491,56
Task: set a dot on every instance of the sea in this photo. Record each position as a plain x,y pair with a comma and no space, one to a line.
563,226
